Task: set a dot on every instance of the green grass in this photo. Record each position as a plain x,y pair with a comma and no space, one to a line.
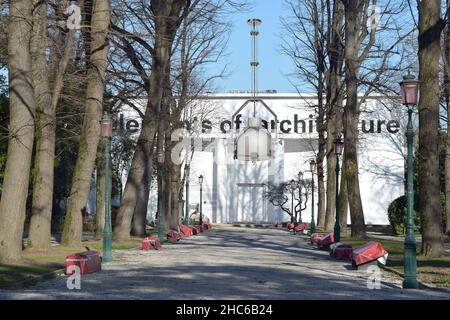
36,264
430,270
98,245
13,274
46,258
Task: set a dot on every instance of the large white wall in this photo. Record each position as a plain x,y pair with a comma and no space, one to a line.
231,188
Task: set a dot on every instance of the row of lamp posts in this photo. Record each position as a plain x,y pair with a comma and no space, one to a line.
186,210
409,89
312,167
338,147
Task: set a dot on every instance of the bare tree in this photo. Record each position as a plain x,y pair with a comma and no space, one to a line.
446,60
279,196
90,136
47,98
430,27
355,32
167,19
334,100
367,66
198,41
202,41
21,131
276,194
306,44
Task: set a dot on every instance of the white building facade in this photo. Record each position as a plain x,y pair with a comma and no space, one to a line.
234,190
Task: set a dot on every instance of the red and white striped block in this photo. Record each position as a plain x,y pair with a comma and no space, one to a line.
173,236
187,231
88,262
151,242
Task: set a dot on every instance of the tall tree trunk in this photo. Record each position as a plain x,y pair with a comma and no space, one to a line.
138,227
321,192
21,131
351,118
100,193
139,174
40,223
447,102
46,104
90,136
173,185
331,177
166,15
343,201
334,105
320,44
430,28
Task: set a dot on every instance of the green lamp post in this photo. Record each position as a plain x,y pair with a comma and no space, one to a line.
409,89
186,213
106,132
312,166
200,181
338,147
293,185
300,180
161,227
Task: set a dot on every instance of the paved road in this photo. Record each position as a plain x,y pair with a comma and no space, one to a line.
226,263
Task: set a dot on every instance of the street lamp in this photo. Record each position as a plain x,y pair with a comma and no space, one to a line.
200,180
300,179
160,158
106,132
186,213
312,166
338,147
293,185
409,89
255,142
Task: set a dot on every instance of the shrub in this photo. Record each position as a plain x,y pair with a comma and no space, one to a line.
397,215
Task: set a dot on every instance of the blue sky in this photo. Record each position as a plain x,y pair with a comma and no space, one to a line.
273,64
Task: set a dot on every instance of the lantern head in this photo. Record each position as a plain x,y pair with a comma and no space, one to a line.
186,171
293,184
254,143
409,90
312,165
106,125
200,179
338,146
160,156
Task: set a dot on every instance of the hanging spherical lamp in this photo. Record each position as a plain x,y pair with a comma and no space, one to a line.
254,143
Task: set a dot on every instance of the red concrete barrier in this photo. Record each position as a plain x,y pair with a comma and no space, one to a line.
315,238
151,242
88,261
369,252
173,236
187,231
341,251
326,240
206,225
300,227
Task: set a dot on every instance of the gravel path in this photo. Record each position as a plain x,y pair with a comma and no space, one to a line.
226,263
